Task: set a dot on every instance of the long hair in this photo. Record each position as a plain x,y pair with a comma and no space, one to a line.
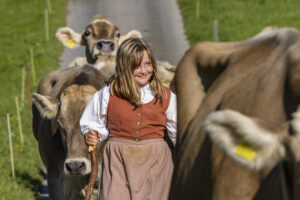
129,57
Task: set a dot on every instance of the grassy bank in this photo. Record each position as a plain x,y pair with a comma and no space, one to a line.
237,19
23,27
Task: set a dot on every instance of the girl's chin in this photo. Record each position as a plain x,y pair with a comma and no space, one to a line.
142,81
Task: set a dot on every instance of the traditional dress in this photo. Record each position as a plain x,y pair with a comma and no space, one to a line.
137,162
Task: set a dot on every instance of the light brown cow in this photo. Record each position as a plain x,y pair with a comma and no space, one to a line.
58,105
246,96
102,39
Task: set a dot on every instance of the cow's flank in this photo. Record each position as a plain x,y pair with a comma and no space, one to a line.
245,96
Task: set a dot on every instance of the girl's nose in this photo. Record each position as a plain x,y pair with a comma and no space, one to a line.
143,69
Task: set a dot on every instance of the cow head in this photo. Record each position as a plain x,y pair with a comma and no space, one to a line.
100,37
253,142
65,113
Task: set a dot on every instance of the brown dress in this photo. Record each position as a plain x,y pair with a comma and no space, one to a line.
137,162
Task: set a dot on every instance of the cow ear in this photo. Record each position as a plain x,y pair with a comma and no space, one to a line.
47,106
68,37
130,34
244,139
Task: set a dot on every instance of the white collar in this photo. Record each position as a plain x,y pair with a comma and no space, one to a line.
145,87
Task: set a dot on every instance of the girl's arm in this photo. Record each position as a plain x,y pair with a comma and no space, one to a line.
94,115
171,113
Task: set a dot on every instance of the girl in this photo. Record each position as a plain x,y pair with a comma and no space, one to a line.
133,112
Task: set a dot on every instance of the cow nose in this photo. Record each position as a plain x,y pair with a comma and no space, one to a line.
75,167
105,45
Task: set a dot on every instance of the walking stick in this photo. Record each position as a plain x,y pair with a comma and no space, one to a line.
93,175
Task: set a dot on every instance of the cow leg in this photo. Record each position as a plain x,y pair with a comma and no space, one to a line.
55,169
54,185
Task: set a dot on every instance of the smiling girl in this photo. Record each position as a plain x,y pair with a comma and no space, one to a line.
133,112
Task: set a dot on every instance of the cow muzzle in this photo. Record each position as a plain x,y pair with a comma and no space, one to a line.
77,166
106,46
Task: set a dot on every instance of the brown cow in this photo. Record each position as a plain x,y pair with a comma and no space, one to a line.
61,98
100,37
244,95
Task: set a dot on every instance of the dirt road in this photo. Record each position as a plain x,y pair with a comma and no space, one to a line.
159,21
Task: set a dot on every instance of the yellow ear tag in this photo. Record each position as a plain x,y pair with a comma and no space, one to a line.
164,84
71,43
245,151
92,148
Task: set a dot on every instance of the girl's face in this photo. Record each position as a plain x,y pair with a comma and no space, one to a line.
143,73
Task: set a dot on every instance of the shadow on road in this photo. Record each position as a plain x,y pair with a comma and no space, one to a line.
43,194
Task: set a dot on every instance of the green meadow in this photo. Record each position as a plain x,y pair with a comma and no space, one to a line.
23,28
237,19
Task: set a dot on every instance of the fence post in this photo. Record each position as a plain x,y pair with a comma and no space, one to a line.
28,87
197,9
10,146
46,26
23,87
19,122
32,66
49,6
216,30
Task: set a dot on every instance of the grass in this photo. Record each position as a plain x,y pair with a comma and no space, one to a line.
238,19
23,26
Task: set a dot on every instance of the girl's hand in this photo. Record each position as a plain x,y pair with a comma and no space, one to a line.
92,138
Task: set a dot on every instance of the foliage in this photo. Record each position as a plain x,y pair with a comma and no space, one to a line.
237,19
23,26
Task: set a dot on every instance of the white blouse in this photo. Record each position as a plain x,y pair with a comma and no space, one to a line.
94,115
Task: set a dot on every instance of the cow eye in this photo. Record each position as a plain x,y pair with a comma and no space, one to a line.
118,34
87,33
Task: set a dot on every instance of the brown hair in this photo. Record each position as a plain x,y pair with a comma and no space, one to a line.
129,57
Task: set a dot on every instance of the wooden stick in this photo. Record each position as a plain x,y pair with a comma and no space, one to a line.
10,146
93,175
46,25
23,87
28,88
49,6
32,65
19,122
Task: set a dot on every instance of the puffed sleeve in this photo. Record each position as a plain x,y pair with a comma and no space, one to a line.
94,115
171,113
